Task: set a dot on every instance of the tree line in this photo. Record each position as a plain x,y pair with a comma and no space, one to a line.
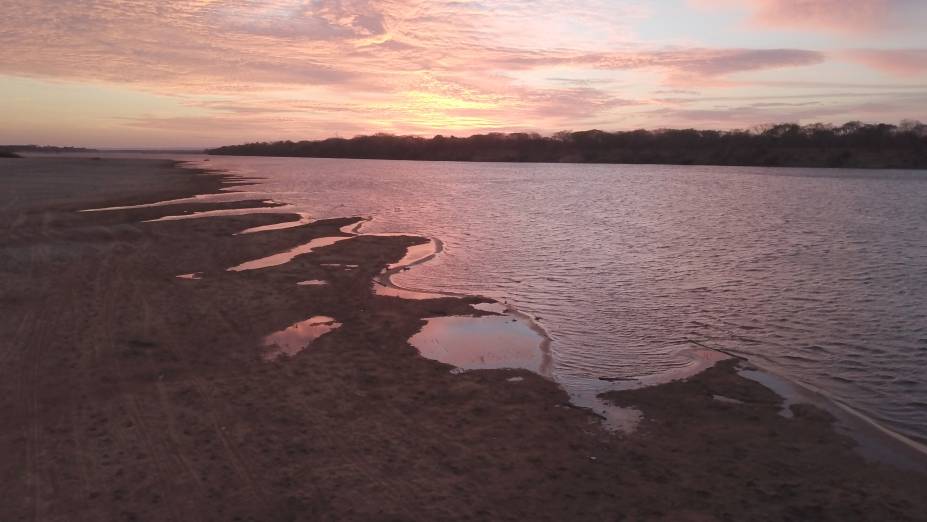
853,144
10,151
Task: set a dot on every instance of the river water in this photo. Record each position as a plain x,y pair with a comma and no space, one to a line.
817,274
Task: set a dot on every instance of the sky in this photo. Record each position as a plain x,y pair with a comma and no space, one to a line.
136,73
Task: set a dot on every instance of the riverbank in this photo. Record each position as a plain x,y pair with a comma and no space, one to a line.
139,395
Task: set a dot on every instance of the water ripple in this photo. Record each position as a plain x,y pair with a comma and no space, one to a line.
817,273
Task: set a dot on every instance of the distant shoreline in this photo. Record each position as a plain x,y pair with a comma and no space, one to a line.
853,145
540,162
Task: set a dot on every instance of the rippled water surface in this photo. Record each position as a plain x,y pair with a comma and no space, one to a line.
818,274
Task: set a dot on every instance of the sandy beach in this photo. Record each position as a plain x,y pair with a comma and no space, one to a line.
129,393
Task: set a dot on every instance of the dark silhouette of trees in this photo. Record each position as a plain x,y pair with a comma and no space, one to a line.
11,149
853,144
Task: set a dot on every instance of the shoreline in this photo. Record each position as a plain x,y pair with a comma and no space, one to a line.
657,164
863,170
856,423
141,393
886,445
876,441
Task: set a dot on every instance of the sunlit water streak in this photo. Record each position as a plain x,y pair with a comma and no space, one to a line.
817,274
281,258
297,337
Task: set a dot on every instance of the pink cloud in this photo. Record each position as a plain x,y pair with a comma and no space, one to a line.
839,16
310,68
897,62
679,64
745,115
223,46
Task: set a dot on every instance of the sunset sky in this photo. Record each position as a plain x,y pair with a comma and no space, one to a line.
209,72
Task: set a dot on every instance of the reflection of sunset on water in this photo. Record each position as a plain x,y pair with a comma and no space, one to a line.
297,337
474,343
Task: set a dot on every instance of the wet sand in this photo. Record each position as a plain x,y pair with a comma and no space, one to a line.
131,394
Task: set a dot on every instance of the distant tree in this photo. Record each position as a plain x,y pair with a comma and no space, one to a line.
853,144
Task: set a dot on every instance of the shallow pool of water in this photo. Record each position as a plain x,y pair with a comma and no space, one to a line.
297,337
486,342
286,256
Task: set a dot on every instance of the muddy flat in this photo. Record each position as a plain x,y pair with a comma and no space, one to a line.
128,393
